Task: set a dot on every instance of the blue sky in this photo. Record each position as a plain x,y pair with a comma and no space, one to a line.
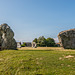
30,19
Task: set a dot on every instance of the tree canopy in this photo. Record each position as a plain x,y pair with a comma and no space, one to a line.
43,42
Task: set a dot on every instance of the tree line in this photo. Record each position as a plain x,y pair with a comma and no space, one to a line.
43,42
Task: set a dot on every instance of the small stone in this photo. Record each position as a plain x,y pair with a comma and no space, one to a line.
60,58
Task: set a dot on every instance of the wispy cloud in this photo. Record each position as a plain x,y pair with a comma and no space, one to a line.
56,40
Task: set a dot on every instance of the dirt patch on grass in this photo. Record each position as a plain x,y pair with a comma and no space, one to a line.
69,56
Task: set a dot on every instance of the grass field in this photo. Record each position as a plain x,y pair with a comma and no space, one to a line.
37,61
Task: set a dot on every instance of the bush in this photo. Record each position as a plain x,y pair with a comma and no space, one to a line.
23,45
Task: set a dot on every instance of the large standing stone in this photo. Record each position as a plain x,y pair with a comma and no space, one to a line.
67,39
6,37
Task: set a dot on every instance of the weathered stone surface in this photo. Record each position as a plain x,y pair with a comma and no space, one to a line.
6,37
67,39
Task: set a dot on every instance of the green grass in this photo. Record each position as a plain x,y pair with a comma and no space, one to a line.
37,62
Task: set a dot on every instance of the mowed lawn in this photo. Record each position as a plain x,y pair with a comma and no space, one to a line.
37,61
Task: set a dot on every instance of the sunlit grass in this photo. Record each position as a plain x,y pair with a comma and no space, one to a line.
37,61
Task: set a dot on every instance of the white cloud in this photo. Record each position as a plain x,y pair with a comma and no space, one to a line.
56,40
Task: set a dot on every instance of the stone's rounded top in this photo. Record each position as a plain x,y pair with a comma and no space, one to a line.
4,24
4,27
66,32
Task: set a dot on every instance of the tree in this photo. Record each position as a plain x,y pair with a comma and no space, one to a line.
50,42
41,41
35,40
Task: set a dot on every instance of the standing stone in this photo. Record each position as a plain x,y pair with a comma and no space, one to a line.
18,44
6,37
67,39
34,45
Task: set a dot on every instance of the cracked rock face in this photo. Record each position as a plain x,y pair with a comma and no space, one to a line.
67,39
6,38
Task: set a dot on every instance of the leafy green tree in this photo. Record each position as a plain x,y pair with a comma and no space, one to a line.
42,41
35,40
50,42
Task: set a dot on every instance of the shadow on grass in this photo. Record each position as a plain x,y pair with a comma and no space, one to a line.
72,49
35,50
68,49
25,50
9,50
